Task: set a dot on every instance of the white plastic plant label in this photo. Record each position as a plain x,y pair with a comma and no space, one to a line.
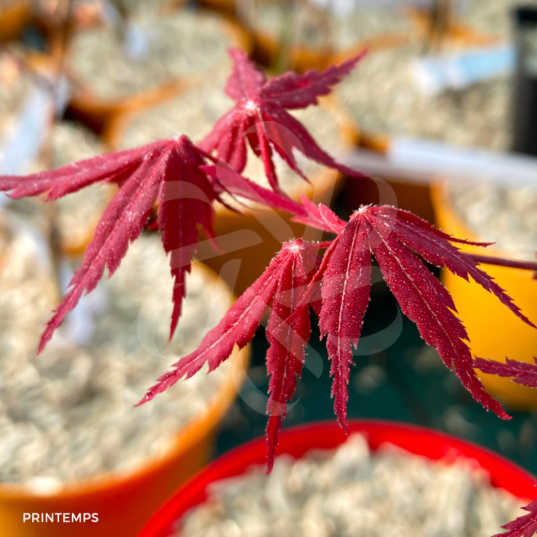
80,323
136,41
110,14
28,135
435,74
343,7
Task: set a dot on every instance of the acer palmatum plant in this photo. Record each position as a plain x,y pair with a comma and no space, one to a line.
333,278
523,526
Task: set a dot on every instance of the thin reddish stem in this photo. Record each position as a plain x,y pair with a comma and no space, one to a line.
321,245
207,155
501,262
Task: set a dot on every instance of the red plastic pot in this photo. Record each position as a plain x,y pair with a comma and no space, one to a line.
328,435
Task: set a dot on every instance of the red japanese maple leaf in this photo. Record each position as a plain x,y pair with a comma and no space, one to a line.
339,293
168,171
519,372
281,288
260,116
400,242
523,526
287,338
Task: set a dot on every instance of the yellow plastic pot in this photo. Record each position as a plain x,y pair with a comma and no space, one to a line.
124,501
495,332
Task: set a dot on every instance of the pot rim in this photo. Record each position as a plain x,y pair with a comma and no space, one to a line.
297,441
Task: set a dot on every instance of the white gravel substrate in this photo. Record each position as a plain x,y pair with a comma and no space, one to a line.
506,216
352,492
382,96
184,44
68,414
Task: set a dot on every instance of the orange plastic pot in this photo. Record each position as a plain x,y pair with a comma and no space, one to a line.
99,114
251,239
123,502
495,332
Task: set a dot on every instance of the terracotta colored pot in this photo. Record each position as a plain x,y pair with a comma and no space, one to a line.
299,440
495,332
124,501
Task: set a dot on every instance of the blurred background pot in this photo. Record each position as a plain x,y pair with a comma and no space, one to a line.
493,330
306,35
387,109
142,472
430,94
116,71
298,441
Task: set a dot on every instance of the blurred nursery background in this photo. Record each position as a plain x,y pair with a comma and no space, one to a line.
441,114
